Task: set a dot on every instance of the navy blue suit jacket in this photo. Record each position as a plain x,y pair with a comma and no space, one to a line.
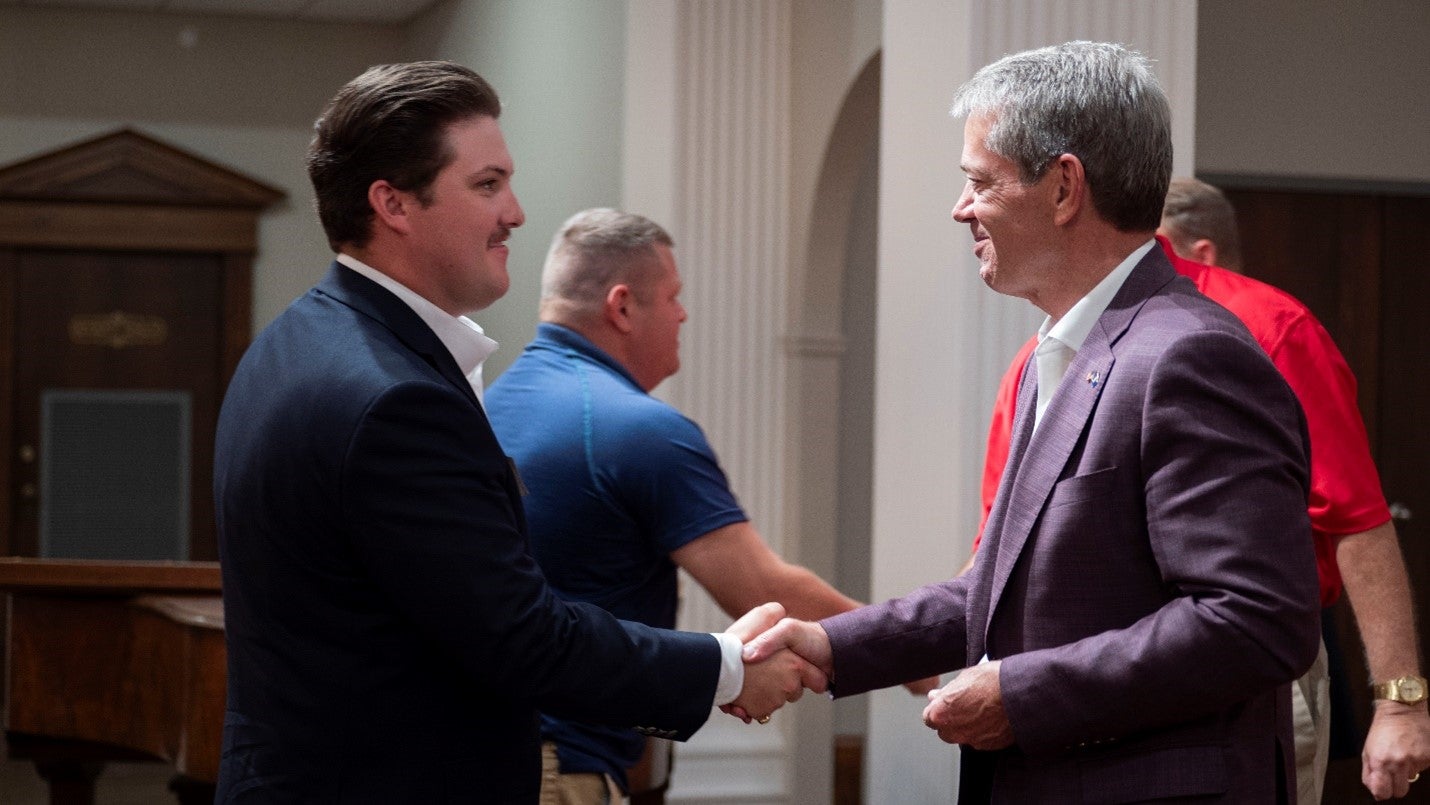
389,637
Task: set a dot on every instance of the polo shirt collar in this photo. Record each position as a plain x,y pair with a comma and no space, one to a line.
564,337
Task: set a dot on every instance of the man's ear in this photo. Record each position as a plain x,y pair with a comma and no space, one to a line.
617,308
390,206
1071,189
1204,251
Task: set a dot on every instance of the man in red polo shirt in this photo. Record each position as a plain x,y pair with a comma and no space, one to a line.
1355,541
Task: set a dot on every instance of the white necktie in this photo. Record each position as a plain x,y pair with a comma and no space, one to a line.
1053,359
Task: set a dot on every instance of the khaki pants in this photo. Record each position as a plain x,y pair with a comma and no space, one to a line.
573,789
1311,723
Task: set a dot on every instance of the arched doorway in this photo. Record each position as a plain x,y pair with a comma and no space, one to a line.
831,414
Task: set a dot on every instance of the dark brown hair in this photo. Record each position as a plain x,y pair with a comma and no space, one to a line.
388,123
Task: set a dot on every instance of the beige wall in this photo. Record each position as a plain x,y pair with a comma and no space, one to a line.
558,67
243,95
246,91
1314,88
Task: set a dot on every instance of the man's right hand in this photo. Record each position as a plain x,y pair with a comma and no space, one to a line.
772,682
804,638
774,675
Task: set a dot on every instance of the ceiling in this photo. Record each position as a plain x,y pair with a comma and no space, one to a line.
374,11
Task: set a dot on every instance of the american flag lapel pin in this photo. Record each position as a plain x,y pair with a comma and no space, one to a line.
1093,378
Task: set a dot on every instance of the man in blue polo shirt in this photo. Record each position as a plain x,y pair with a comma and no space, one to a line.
623,488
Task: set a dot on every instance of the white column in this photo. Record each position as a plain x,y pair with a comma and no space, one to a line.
706,153
943,338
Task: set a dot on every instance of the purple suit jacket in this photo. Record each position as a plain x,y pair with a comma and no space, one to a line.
1146,576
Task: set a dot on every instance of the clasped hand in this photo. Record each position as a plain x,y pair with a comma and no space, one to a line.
802,646
775,677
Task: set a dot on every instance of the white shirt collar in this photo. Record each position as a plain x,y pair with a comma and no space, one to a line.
464,338
1073,327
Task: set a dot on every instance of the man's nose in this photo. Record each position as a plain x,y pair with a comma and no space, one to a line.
961,208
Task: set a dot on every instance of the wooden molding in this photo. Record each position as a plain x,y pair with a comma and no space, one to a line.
107,576
83,225
126,167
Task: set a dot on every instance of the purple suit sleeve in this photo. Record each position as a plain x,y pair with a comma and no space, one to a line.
900,640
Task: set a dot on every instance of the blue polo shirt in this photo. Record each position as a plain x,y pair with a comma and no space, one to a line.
616,481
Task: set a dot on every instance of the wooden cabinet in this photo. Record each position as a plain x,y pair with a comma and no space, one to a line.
125,301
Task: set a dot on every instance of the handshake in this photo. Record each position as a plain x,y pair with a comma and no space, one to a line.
784,656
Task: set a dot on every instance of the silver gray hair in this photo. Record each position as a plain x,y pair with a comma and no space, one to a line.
1195,210
594,250
1097,101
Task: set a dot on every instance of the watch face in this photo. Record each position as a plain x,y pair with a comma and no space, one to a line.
1411,690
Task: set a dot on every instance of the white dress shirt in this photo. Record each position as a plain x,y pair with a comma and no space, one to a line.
1059,341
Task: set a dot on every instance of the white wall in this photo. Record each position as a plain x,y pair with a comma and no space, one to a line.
1314,88
246,94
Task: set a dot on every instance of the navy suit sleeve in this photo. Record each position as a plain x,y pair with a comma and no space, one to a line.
431,503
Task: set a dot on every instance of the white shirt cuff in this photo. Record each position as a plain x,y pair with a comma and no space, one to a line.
732,669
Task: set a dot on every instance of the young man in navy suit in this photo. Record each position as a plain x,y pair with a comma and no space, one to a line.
390,638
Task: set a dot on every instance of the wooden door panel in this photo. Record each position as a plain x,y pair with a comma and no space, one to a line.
1324,249
1355,260
116,321
1405,390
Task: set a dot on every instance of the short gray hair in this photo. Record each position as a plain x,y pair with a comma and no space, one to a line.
1097,101
1195,210
594,250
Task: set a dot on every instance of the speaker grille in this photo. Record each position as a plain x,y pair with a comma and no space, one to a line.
114,480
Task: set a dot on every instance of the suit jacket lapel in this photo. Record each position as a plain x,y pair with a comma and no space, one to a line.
989,579
1044,454
376,302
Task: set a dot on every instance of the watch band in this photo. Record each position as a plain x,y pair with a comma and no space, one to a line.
1406,689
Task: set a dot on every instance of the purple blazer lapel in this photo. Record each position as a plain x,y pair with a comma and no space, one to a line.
1045,453
986,580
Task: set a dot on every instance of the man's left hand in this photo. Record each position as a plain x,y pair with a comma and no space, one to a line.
969,710
1397,747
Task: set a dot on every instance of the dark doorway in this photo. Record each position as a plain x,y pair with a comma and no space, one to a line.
1353,255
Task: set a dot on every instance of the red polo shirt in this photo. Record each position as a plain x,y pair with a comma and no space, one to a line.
1345,487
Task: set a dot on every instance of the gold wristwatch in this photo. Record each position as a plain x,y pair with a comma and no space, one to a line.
1406,690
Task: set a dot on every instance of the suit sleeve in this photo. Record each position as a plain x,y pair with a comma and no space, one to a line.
919,635
431,500
1223,457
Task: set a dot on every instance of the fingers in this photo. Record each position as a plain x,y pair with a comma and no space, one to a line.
813,678
1385,783
1377,782
737,712
969,710
1397,749
785,658
936,712
774,682
804,638
756,621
